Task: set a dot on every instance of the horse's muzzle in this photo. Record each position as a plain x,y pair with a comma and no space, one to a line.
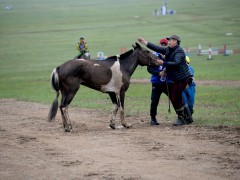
153,62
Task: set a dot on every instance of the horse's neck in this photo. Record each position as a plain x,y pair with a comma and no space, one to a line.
130,63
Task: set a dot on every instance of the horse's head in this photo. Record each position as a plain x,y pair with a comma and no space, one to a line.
145,57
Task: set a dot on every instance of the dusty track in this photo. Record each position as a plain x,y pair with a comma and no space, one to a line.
32,148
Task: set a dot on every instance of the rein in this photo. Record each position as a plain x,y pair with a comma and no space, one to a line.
169,109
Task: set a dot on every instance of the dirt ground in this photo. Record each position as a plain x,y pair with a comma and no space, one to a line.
32,148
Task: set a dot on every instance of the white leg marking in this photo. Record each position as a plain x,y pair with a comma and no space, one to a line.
112,121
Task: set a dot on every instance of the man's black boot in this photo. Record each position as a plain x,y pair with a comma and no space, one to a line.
192,111
180,120
154,122
188,115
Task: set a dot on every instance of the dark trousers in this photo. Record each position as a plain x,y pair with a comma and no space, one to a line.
176,94
157,90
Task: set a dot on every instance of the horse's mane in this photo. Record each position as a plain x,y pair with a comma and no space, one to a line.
126,54
122,56
112,58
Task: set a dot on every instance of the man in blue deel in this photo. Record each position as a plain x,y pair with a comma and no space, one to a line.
159,85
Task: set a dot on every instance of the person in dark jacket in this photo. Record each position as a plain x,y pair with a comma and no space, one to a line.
159,85
177,70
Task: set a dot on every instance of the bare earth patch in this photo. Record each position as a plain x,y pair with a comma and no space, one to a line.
32,148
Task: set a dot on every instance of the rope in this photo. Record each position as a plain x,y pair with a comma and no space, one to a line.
169,109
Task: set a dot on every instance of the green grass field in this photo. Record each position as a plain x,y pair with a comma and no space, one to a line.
36,36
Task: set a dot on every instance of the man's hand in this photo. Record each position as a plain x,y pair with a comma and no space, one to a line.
162,73
160,62
141,40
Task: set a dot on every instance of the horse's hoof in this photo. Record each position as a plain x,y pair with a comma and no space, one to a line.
127,125
112,126
68,128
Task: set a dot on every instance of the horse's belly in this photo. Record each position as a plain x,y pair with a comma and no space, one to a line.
112,87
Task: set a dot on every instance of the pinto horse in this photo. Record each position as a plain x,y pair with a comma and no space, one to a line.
110,76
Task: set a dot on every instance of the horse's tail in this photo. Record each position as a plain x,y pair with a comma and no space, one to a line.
55,86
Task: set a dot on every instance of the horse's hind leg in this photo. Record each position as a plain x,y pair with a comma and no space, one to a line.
65,118
66,100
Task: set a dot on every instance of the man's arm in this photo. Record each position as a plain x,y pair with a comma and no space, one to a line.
156,48
85,47
178,58
152,46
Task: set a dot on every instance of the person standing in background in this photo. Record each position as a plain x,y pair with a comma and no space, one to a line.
82,47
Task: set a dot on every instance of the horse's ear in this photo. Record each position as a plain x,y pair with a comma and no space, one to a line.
138,45
134,47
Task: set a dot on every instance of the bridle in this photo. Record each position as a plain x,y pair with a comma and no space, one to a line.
145,56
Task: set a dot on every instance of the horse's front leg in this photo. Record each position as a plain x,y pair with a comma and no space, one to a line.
65,118
124,123
113,117
113,97
122,117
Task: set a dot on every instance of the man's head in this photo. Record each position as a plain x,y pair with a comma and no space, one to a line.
174,40
163,42
81,38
